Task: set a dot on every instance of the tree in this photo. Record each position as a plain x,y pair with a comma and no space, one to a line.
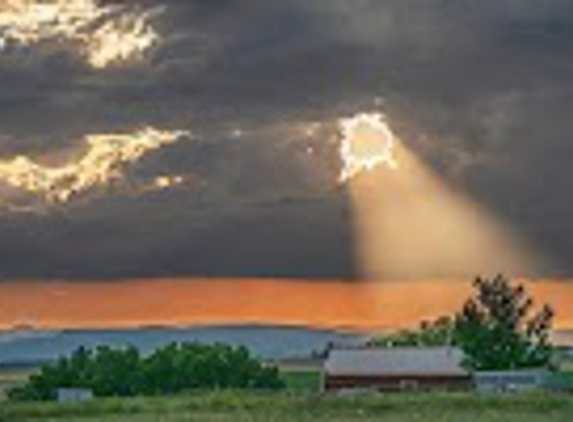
430,333
169,370
499,330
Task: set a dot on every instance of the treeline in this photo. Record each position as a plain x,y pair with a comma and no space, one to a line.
172,369
430,333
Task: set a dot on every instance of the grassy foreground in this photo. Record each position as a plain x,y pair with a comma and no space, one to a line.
238,407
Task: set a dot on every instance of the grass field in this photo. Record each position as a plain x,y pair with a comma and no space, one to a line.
306,381
10,378
239,407
301,403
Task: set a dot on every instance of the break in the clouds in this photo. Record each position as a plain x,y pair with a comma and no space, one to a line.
479,90
104,35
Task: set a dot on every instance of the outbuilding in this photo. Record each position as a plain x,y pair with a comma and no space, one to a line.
511,381
395,369
74,395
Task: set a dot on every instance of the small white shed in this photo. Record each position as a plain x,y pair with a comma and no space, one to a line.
510,381
74,395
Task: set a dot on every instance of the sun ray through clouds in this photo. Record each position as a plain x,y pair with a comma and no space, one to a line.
367,143
410,223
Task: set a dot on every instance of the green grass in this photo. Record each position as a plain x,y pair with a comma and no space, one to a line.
563,381
239,407
300,381
11,378
567,366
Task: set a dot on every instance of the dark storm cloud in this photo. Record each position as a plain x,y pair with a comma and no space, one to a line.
479,89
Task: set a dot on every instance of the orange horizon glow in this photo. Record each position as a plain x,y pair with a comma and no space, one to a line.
361,306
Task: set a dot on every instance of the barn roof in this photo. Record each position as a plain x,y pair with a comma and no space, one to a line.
440,361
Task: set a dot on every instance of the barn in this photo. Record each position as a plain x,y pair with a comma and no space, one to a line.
395,369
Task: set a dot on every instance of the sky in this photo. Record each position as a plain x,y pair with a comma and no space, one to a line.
332,304
220,137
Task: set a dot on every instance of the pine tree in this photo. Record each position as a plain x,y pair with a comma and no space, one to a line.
499,330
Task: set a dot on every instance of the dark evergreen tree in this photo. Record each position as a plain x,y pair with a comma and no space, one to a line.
499,330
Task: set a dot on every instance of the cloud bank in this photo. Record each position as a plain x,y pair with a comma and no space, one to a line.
479,90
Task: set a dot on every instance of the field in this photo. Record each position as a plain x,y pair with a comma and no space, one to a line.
239,407
302,380
300,403
10,378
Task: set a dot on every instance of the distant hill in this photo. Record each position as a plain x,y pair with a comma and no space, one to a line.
267,342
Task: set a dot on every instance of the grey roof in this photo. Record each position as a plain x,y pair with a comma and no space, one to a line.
443,361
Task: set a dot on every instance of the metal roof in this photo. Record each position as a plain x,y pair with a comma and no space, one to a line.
439,361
